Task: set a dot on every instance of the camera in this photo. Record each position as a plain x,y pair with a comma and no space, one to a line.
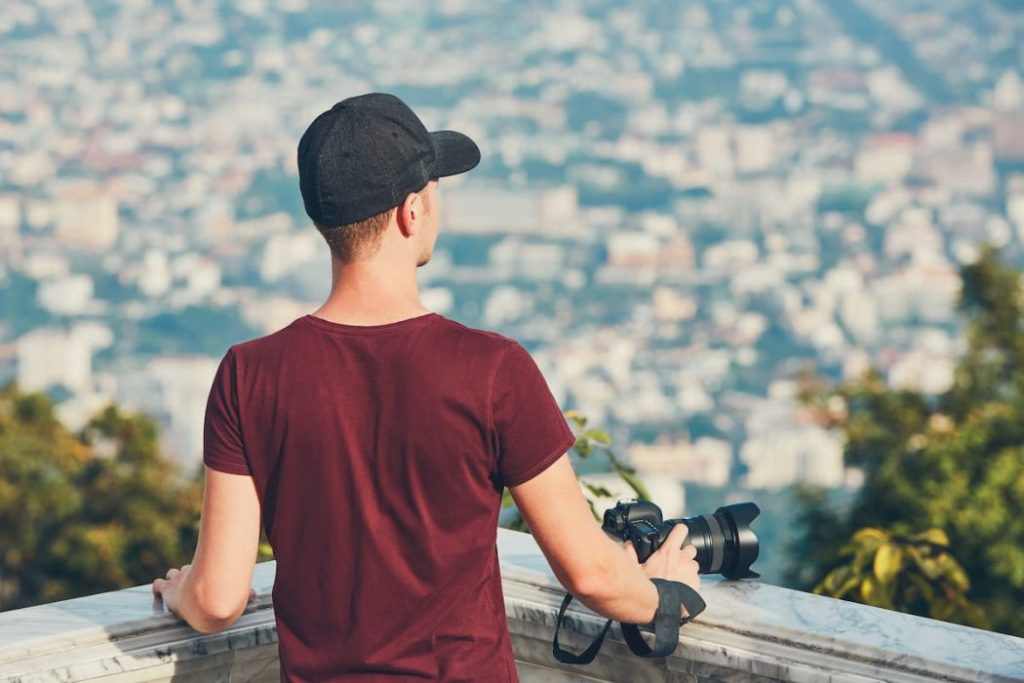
724,541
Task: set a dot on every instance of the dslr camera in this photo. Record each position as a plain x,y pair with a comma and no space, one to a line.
724,542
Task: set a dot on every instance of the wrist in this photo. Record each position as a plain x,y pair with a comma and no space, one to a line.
651,602
669,601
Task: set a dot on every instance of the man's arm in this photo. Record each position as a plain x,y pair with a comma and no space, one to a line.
212,592
598,571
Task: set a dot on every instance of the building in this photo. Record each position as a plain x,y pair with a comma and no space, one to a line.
707,461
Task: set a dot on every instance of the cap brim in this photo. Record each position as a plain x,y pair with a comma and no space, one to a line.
456,153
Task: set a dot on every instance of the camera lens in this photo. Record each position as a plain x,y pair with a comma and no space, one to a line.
724,541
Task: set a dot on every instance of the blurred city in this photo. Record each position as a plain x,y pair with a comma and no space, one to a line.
680,208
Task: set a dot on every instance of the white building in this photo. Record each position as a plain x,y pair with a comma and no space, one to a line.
886,157
707,461
529,260
506,303
802,453
66,295
50,355
10,218
929,372
184,385
489,210
86,218
154,274
755,149
284,252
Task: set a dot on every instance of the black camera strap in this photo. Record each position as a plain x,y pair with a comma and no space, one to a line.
671,596
585,657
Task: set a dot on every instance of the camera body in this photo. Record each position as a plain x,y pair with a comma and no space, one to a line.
724,541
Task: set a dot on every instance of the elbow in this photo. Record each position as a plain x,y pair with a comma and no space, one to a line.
214,620
589,586
215,617
206,625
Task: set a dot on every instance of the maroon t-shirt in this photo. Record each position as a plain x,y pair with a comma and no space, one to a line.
379,454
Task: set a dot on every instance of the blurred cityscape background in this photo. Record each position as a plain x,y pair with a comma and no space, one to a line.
683,210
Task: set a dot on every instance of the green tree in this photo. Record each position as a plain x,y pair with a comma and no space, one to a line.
88,512
915,573
588,442
950,464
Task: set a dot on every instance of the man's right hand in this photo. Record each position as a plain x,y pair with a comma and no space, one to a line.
672,561
586,560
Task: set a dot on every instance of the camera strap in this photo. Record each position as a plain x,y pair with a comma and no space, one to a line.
671,596
585,657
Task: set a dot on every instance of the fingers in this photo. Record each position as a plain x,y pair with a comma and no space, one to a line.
631,550
160,585
690,552
172,572
678,535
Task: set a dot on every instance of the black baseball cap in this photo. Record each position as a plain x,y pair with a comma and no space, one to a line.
366,153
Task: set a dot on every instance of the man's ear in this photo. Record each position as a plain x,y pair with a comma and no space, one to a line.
409,213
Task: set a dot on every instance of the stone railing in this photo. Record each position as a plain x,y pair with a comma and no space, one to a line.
749,631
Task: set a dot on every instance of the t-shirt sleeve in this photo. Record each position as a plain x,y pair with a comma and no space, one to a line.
529,430
222,433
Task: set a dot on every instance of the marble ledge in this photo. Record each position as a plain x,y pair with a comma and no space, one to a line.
749,631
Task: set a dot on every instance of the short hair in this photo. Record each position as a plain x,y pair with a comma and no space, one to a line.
352,241
361,239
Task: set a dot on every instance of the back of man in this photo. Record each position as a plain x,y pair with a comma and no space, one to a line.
379,436
379,454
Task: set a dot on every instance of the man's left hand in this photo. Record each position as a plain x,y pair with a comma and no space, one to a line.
168,588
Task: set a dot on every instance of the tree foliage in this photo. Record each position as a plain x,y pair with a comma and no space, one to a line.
88,512
916,573
951,464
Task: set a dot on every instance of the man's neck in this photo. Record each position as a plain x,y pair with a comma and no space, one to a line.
372,293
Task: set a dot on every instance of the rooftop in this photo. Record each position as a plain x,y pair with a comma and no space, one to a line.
749,631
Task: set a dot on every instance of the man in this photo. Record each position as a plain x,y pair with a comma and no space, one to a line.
372,440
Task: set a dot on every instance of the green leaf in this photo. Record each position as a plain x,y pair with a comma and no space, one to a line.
952,570
931,568
834,579
575,417
876,593
933,536
870,537
888,562
848,586
597,489
597,435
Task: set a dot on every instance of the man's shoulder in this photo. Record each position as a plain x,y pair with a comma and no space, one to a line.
462,339
485,342
483,336
268,343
